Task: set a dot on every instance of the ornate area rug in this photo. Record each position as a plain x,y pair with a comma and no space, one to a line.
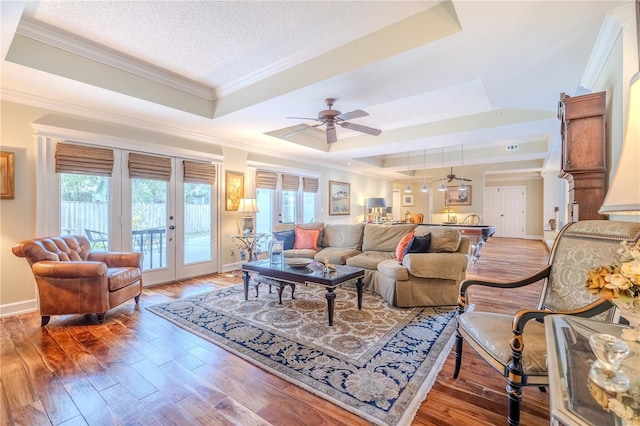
378,363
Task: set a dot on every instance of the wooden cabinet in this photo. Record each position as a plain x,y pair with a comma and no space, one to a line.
583,151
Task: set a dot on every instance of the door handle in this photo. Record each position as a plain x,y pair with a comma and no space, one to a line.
172,227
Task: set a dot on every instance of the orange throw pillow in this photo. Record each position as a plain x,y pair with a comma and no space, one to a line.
306,238
402,245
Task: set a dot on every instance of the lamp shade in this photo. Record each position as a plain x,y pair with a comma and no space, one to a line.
248,205
376,203
623,196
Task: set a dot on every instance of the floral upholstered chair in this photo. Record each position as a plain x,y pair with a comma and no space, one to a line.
515,345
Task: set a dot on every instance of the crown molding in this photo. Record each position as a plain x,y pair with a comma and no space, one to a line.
96,52
612,26
339,38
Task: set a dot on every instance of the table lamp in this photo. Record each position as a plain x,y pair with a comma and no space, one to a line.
248,206
376,205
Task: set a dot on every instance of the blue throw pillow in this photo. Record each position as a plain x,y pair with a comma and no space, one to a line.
419,245
288,238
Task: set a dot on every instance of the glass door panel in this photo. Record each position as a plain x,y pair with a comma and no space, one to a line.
149,213
84,208
289,206
197,223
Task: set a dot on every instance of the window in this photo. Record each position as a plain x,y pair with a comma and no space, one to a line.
284,198
85,177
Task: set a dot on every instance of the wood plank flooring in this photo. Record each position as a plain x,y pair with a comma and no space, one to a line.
137,368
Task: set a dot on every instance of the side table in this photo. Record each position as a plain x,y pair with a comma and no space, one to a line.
249,243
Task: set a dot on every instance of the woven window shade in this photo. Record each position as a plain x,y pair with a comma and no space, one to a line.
84,160
266,180
309,184
199,172
149,167
290,182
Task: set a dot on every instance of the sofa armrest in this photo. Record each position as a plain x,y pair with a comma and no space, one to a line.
448,266
118,259
70,269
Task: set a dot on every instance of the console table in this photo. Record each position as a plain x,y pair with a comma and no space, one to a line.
569,357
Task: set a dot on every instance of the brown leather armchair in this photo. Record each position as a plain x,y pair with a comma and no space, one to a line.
73,280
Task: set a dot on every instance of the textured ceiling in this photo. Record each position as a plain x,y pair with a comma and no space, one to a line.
432,75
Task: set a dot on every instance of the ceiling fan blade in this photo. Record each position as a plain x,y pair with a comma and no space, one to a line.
303,118
353,114
331,134
300,130
361,128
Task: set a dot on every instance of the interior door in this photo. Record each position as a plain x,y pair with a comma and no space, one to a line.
505,208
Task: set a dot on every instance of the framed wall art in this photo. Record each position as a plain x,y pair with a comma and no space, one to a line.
339,198
7,175
234,190
408,200
454,197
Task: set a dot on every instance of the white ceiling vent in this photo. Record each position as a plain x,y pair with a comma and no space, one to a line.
513,147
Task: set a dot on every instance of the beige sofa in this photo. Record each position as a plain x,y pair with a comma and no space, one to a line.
423,279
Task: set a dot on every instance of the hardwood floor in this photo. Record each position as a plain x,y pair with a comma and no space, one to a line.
137,368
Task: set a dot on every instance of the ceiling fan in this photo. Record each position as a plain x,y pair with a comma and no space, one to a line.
332,117
451,176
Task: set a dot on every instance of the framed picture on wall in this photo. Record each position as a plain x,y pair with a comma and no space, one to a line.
408,200
234,190
339,198
7,175
454,197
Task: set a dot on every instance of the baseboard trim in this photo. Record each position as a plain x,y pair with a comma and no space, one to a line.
23,307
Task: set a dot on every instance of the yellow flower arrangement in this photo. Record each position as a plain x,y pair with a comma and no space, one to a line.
620,280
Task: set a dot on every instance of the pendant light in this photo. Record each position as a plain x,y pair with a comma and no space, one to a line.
407,188
442,187
425,187
462,186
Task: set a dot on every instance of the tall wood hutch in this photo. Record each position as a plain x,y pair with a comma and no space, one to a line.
583,151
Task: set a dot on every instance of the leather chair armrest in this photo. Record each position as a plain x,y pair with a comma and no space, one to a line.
70,269
118,259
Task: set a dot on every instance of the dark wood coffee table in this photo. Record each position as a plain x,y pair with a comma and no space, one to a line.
289,275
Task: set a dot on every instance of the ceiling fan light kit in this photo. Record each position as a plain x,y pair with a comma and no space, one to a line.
330,117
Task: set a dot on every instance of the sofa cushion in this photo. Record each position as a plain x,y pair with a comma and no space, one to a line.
347,236
288,238
306,238
370,259
391,268
118,278
291,226
384,237
419,244
336,255
402,245
443,239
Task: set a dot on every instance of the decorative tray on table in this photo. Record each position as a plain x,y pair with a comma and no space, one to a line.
298,262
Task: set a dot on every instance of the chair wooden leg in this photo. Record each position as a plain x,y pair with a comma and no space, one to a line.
44,320
101,317
514,392
459,340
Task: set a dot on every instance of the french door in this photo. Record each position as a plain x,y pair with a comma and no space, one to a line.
164,211
169,219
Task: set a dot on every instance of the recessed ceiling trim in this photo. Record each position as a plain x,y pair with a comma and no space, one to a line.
95,52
